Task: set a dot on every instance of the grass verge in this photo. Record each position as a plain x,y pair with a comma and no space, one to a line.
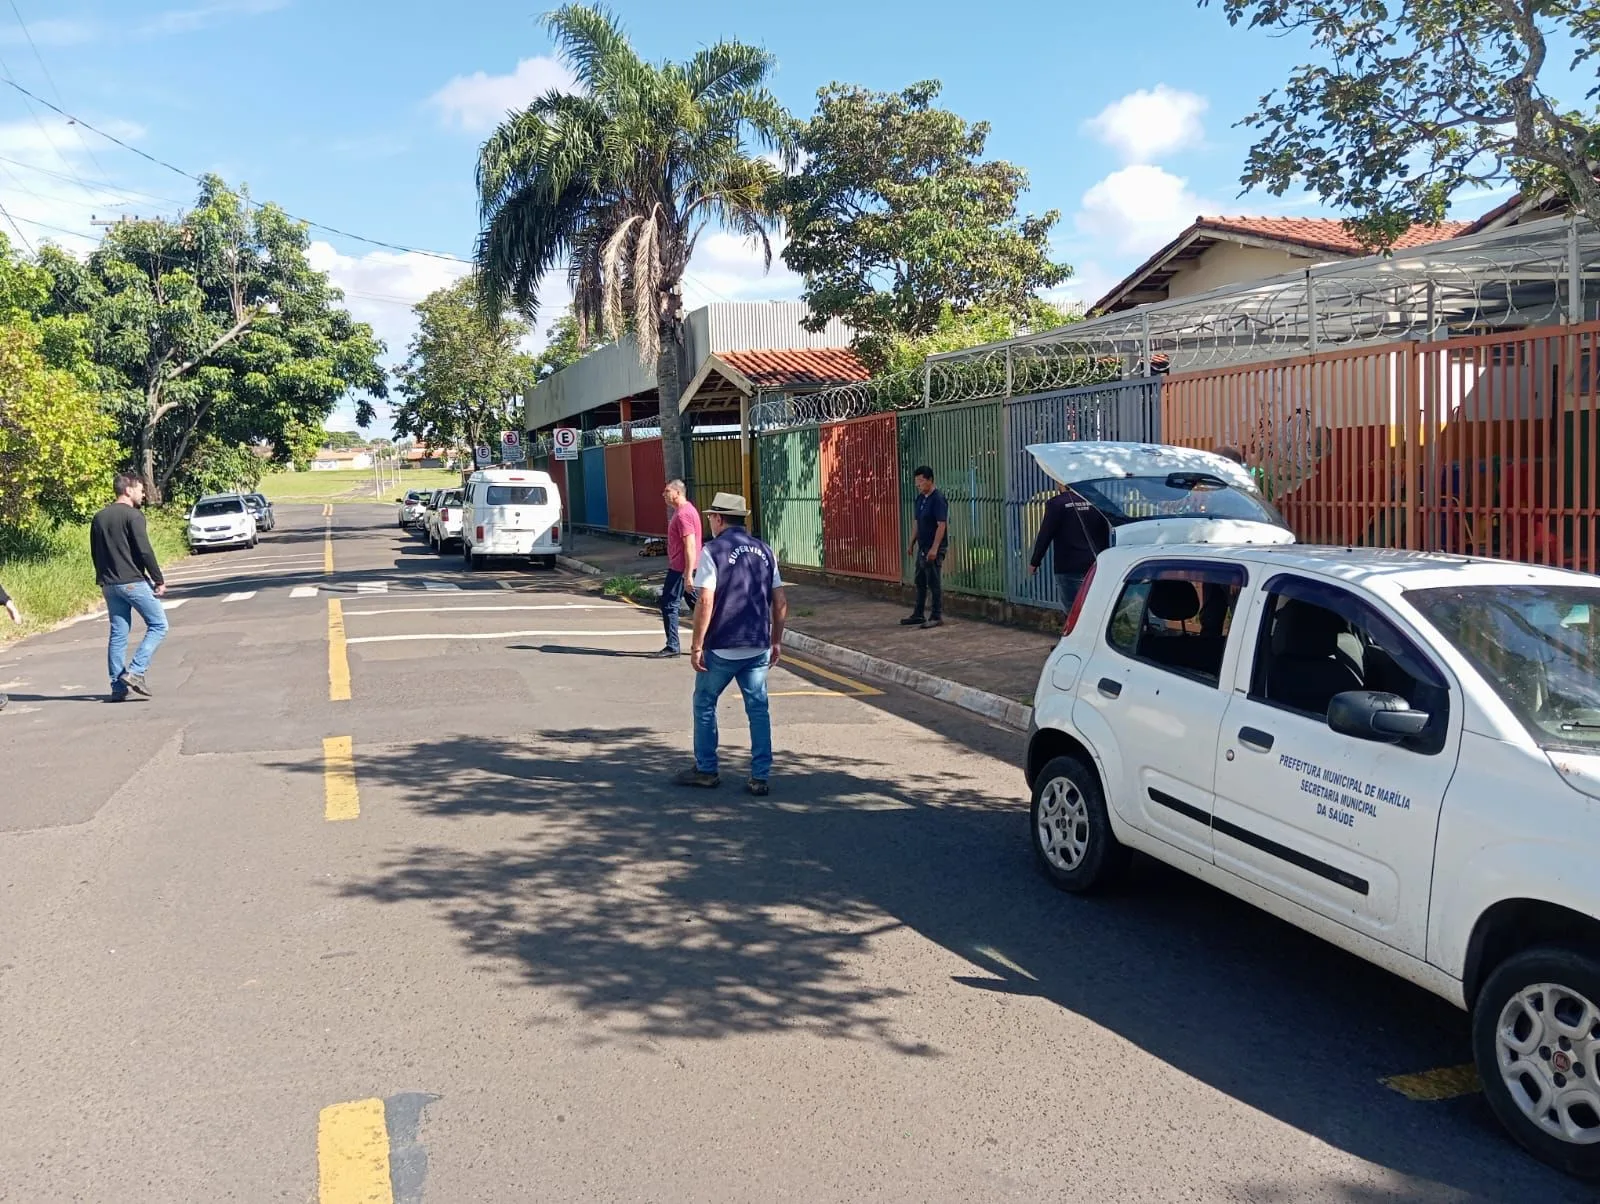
629,587
51,575
350,486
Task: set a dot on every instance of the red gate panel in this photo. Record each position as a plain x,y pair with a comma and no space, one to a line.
619,487
649,479
861,498
558,473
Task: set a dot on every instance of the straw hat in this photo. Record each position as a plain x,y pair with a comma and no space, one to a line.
732,504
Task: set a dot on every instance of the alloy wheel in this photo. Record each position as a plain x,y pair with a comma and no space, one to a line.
1063,824
1547,1050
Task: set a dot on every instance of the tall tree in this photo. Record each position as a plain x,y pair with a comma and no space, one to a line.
565,344
215,327
616,181
895,218
464,376
1413,102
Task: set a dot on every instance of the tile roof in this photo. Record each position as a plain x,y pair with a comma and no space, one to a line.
1324,233
799,366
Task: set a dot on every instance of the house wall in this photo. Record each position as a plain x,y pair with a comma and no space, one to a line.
1232,263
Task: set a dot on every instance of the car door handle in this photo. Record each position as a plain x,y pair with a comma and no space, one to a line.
1255,738
1110,688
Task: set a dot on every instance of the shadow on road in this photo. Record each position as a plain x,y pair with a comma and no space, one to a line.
708,914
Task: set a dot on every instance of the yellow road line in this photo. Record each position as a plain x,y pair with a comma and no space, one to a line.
340,798
353,1154
1447,1082
807,694
338,654
860,689
327,549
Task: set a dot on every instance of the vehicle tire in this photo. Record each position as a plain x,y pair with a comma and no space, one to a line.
548,563
254,540
1072,837
1538,1013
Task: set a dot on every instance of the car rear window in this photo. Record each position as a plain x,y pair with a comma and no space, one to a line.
516,495
214,509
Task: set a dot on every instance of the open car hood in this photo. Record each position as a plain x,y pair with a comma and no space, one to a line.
1096,460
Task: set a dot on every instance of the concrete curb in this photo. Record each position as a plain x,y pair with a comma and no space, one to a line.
1004,711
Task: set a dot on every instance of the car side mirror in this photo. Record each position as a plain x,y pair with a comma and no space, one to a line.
1374,715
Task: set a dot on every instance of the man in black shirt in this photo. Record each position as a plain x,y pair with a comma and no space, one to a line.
129,577
1077,533
928,544
10,608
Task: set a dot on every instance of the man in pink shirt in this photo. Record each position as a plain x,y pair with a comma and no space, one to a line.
683,551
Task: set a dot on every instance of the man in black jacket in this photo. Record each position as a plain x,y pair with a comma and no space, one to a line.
1077,533
129,577
10,608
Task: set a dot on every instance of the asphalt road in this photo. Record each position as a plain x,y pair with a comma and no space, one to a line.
456,938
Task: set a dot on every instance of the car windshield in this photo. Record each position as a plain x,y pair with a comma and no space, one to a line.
516,495
219,507
413,496
1176,495
450,499
1536,646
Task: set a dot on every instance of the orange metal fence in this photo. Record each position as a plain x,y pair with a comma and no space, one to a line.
1485,445
649,480
861,497
619,486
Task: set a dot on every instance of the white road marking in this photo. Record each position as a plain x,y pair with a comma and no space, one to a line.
242,596
654,632
173,604
440,585
303,591
459,610
372,587
276,579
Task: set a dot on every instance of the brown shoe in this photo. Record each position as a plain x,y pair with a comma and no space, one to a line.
757,787
932,623
693,777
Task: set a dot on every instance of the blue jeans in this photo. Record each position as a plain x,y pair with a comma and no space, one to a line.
121,602
751,674
671,595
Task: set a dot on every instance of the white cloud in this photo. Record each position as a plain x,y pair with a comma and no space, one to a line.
727,267
53,31
1090,281
1149,123
187,20
1137,209
478,102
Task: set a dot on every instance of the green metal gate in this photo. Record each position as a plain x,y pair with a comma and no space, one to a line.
963,446
790,474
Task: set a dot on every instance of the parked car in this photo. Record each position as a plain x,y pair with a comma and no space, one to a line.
444,519
261,511
511,512
413,506
1396,751
221,521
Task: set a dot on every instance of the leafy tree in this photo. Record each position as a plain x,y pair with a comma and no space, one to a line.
974,327
565,345
300,441
895,217
1412,102
216,467
56,447
343,440
215,327
464,376
616,181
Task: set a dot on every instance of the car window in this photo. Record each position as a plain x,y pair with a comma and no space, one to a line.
219,507
516,495
1317,640
1177,615
412,495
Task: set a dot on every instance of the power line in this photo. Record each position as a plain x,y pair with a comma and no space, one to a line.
50,79
17,228
115,187
376,242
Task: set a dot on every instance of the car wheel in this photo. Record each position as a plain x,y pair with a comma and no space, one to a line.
1072,837
1536,1040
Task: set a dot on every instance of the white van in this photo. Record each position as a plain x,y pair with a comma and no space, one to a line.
511,512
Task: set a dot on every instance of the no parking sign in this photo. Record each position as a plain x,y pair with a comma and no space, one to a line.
565,441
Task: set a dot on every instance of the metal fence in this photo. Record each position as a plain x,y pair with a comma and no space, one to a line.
648,468
789,470
861,498
596,509
962,444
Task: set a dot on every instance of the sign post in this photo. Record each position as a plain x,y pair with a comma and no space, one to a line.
511,449
565,441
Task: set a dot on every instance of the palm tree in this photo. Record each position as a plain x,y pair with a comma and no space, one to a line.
616,180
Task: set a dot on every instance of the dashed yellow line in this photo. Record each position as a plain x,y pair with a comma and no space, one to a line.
338,654
1447,1082
327,539
353,1154
341,800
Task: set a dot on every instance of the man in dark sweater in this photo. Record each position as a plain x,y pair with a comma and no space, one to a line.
10,608
1076,532
129,577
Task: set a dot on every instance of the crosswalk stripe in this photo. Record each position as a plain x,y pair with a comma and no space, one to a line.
372,587
242,596
174,604
303,591
440,585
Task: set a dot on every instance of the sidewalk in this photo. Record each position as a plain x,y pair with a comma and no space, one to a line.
984,667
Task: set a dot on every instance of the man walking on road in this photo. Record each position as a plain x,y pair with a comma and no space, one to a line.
738,632
125,568
1077,533
10,608
683,554
928,545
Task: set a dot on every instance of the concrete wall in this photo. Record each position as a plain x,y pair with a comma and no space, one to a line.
1232,263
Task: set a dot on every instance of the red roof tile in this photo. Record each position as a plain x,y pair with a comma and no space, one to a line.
800,366
1324,233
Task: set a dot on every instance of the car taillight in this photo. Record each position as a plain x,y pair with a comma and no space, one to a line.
480,532
444,514
555,533
1077,603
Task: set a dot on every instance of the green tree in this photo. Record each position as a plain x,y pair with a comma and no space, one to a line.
215,327
300,441
343,440
56,447
616,181
895,217
975,327
464,377
216,467
1413,102
565,344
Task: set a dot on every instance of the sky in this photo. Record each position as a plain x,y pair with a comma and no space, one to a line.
367,117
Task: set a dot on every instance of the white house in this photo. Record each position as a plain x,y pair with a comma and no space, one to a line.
329,460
